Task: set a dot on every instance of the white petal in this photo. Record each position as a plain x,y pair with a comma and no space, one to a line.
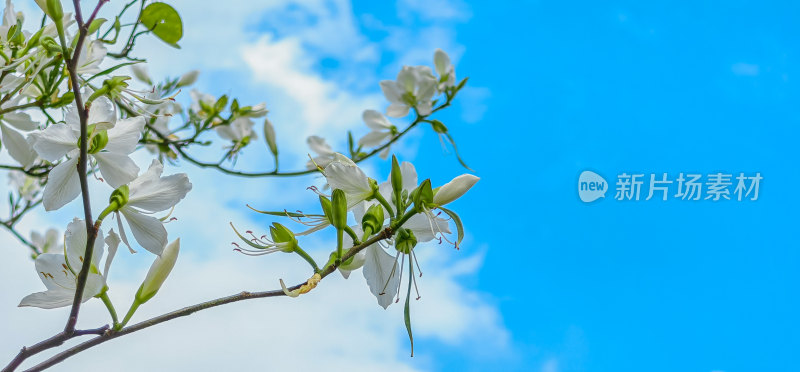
378,266
397,110
112,241
348,178
148,231
373,139
50,299
20,120
357,263
124,136
385,153
102,112
441,61
154,194
391,91
75,240
319,146
375,120
122,234
409,173
62,186
53,272
117,169
54,142
17,146
424,228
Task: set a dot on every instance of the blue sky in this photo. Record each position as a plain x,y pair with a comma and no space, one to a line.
544,282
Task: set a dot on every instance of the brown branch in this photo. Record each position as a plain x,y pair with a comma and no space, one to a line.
186,311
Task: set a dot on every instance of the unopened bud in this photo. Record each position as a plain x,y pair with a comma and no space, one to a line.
338,209
159,271
372,221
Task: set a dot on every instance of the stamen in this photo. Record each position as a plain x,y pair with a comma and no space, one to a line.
391,274
400,281
414,255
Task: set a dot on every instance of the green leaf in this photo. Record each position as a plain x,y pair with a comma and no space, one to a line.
285,213
164,21
455,149
110,70
457,220
407,310
96,25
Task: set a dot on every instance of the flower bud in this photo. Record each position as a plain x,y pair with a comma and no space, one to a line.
269,134
454,189
396,176
422,195
51,45
338,209
119,197
405,241
159,271
281,234
372,221
188,78
52,8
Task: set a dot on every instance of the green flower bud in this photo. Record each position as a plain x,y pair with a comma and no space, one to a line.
422,195
396,176
405,241
52,8
51,45
372,221
119,197
338,209
438,126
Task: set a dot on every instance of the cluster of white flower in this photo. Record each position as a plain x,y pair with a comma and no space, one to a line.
87,123
416,88
33,76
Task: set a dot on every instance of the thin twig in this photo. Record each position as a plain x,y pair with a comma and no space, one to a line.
186,311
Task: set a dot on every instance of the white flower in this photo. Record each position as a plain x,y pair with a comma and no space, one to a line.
17,146
454,189
27,186
381,130
59,272
445,69
91,56
325,153
111,157
148,194
343,174
201,102
414,87
158,272
47,243
237,131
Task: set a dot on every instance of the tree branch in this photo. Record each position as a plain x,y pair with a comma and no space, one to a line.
186,311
